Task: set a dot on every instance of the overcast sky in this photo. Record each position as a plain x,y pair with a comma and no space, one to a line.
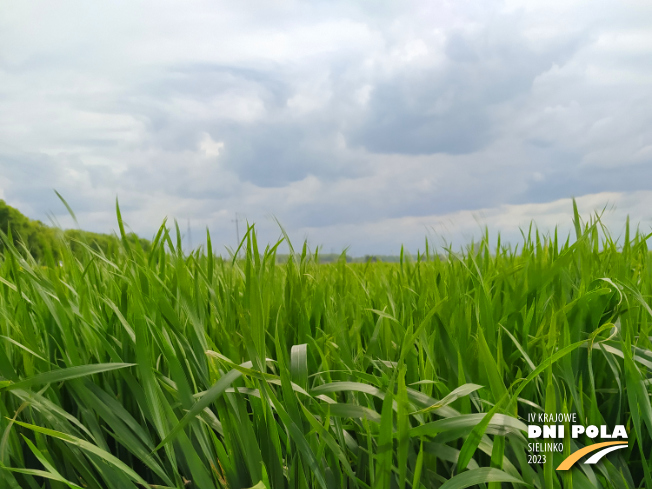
360,124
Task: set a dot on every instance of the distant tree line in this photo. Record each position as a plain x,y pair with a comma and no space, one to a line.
335,257
43,241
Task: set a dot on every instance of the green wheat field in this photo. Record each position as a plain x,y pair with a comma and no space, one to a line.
151,367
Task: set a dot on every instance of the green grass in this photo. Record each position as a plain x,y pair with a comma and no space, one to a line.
162,369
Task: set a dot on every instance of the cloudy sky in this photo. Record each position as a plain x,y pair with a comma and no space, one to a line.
361,124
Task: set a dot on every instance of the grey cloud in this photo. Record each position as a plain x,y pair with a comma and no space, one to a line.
273,155
451,108
273,150
204,80
396,123
575,181
30,180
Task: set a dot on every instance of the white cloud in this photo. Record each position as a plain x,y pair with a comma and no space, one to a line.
456,229
210,147
234,107
353,124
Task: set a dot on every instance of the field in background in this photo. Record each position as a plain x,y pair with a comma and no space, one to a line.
157,369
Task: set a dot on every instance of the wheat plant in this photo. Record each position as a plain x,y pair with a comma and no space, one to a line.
164,369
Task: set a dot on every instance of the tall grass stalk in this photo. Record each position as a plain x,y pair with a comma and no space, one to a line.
163,369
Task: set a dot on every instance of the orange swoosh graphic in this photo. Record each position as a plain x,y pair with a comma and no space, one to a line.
575,456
